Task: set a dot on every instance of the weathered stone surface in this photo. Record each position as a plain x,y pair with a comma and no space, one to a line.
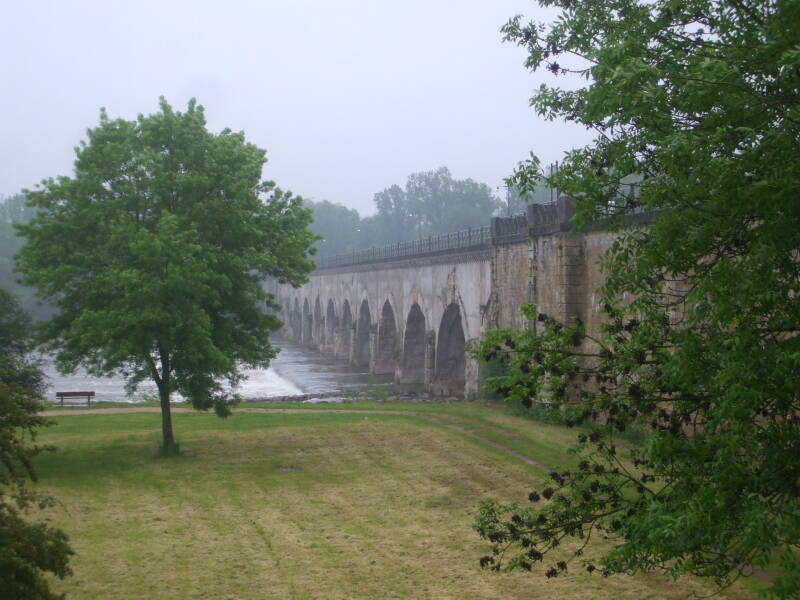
361,302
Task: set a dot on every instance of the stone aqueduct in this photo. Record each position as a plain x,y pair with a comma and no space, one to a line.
413,310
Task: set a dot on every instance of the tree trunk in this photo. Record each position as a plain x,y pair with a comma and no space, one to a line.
169,446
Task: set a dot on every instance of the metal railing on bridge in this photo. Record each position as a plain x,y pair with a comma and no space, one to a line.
467,239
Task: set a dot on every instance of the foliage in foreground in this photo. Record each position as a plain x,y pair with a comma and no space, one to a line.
27,550
154,254
702,311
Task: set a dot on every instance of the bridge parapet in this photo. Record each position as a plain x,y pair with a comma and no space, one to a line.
457,241
505,229
537,220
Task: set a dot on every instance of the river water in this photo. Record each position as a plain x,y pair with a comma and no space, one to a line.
297,370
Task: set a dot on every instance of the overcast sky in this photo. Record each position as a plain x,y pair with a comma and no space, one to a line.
348,97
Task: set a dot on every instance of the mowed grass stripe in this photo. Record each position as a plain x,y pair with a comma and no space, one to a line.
379,506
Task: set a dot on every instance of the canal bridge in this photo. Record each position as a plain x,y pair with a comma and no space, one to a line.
412,311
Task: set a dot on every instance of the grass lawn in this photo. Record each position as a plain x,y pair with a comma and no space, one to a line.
305,503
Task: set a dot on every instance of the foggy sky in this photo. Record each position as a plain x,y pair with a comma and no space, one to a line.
347,97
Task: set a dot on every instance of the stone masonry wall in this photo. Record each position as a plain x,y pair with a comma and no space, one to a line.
534,258
551,266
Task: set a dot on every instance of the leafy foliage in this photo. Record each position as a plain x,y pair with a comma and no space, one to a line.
431,203
337,226
155,251
27,550
700,346
14,209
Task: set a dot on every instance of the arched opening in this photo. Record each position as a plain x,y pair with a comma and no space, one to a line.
344,331
451,360
387,341
413,371
362,336
307,322
283,315
317,332
330,326
297,322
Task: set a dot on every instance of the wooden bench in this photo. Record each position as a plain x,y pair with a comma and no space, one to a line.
88,395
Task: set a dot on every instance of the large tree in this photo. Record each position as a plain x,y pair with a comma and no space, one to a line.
337,226
154,253
701,348
27,550
431,203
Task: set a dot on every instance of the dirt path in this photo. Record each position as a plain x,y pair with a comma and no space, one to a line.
433,419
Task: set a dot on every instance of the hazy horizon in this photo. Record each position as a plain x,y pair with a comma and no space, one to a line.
347,99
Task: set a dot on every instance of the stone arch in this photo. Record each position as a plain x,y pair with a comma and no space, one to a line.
361,355
331,325
318,332
344,331
451,359
413,368
386,350
297,322
308,323
287,306
286,317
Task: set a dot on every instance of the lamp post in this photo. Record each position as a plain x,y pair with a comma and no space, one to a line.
508,198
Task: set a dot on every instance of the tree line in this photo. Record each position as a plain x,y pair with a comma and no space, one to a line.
429,203
14,209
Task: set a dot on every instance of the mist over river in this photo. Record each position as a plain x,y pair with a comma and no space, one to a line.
297,370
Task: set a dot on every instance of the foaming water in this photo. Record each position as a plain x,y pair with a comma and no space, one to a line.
316,373
296,370
263,383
